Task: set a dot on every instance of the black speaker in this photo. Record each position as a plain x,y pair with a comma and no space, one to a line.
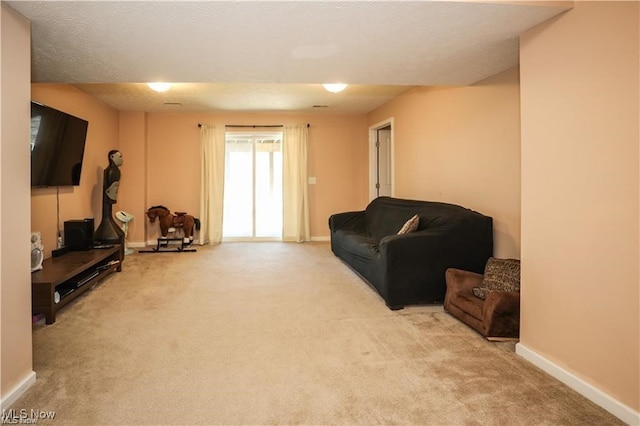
78,234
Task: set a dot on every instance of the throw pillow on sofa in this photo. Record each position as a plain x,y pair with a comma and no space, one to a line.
499,275
410,225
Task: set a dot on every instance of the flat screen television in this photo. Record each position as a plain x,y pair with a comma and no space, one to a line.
57,147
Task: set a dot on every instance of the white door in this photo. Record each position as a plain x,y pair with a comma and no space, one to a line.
383,148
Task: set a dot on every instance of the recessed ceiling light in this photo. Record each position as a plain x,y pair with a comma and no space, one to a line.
334,87
159,86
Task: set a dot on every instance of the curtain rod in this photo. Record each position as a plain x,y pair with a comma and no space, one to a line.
253,125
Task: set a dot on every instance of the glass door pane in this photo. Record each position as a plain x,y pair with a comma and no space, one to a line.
253,186
238,189
268,187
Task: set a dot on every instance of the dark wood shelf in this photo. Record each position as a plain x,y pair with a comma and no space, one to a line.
69,270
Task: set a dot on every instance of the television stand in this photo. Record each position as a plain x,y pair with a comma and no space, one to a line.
64,278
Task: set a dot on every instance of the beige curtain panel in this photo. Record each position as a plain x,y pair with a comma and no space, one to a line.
295,194
212,149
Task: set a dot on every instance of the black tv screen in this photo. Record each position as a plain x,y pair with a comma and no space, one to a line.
57,147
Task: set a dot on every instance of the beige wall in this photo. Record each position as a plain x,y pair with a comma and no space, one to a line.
337,158
133,189
162,163
580,195
15,284
85,200
461,145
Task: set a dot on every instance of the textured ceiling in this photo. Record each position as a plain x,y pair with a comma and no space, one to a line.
245,97
272,55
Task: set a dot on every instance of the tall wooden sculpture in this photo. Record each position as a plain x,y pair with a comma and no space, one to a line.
108,231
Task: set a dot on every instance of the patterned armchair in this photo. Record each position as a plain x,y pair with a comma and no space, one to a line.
489,303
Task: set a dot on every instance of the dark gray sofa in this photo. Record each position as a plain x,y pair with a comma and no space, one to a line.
410,268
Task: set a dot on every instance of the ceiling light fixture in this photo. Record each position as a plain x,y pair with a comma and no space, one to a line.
159,87
334,87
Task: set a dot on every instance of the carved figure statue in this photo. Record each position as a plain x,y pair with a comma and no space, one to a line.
111,181
108,231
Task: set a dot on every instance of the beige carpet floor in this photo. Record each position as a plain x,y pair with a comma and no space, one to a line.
277,333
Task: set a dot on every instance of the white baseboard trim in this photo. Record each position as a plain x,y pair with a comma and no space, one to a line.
595,395
15,393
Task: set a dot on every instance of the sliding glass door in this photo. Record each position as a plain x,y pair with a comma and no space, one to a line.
253,186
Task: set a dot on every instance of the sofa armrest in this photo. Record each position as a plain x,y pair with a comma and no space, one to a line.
459,282
501,314
414,266
502,303
412,246
347,220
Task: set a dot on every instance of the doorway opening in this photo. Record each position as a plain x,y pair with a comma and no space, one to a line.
381,168
253,186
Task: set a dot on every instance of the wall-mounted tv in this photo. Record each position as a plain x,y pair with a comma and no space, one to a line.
57,147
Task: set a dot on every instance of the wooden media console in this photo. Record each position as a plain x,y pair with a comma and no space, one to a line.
64,278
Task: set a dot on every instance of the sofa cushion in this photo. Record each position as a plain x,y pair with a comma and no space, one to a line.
499,275
410,225
480,292
357,244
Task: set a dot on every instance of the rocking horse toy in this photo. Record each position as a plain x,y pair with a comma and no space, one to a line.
170,222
